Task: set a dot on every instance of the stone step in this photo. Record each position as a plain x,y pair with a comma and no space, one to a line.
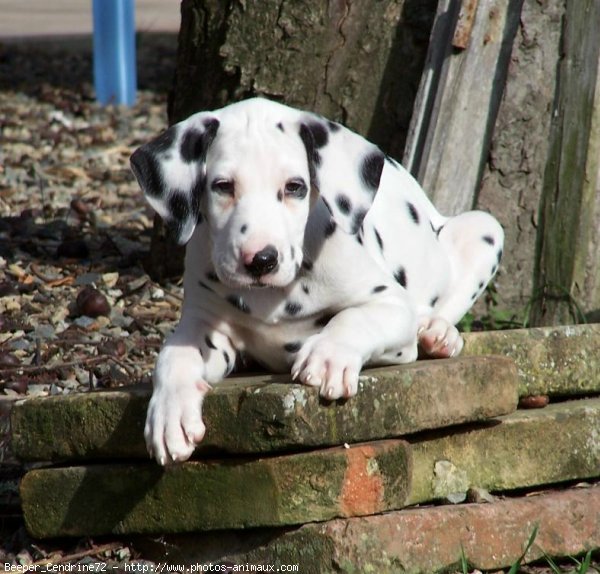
523,449
294,489
527,448
268,414
427,540
561,360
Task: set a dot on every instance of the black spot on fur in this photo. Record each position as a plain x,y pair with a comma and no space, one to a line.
179,206
305,289
292,308
481,284
399,354
359,239
307,265
243,228
194,143
344,204
292,347
371,168
326,204
414,214
280,195
319,133
322,321
400,276
280,127
330,228
499,256
238,303
474,296
488,239
209,342
212,276
379,289
313,157
494,269
190,147
378,238
434,301
357,220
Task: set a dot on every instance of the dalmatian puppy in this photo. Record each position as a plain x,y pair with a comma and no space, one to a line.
307,249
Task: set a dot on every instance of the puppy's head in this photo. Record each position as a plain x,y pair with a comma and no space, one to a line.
251,173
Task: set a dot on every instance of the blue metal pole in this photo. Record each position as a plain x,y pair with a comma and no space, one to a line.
115,77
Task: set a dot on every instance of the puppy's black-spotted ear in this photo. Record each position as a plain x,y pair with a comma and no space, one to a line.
171,170
344,167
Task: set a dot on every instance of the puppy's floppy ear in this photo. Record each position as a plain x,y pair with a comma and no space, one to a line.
344,167
171,170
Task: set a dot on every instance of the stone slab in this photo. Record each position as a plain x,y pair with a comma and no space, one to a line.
123,498
268,414
524,449
412,541
528,448
551,360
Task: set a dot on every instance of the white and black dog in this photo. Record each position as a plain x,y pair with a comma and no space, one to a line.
307,249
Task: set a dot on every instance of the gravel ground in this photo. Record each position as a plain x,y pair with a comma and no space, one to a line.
77,310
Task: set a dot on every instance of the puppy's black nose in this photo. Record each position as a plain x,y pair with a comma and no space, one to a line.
263,262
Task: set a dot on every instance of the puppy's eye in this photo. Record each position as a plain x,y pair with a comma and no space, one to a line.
223,186
296,188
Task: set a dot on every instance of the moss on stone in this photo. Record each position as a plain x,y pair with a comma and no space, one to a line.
268,414
551,360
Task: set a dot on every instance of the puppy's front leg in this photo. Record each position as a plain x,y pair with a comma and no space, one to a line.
332,359
194,355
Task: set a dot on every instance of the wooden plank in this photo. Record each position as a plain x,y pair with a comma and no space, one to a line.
568,198
458,99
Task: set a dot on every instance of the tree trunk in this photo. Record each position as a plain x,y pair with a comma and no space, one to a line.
355,62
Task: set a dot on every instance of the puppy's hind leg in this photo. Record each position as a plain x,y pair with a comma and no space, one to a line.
473,242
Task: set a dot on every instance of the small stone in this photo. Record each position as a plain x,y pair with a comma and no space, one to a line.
478,495
19,386
157,294
55,389
8,360
534,402
92,303
113,347
110,279
88,278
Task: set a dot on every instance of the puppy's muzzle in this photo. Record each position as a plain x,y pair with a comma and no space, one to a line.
263,262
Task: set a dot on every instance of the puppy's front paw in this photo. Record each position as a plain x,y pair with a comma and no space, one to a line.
174,421
324,363
439,339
